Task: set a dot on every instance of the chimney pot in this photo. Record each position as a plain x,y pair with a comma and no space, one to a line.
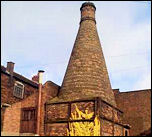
88,12
40,75
35,78
10,67
116,91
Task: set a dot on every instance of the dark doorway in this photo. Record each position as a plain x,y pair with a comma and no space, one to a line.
126,133
28,120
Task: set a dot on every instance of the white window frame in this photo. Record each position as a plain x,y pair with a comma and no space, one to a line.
17,82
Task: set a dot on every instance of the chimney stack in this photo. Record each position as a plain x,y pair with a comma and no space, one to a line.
40,76
88,11
116,91
10,67
35,78
86,75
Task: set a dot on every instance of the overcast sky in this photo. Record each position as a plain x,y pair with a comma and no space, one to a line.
40,35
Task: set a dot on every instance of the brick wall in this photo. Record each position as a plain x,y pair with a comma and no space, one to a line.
7,90
4,88
12,115
2,117
136,106
56,129
11,121
50,90
86,75
58,115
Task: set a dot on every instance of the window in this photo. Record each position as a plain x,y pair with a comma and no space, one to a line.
18,90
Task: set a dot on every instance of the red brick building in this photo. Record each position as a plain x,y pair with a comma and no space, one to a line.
19,102
136,106
86,84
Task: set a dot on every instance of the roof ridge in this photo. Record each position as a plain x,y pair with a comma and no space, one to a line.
141,90
19,76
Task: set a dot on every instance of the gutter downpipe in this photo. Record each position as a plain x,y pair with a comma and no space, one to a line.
40,74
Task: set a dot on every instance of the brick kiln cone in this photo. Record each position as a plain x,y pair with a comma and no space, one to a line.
86,74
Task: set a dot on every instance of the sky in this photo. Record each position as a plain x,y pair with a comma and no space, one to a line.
39,35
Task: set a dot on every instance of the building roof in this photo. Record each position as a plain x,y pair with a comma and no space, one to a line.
134,91
19,77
